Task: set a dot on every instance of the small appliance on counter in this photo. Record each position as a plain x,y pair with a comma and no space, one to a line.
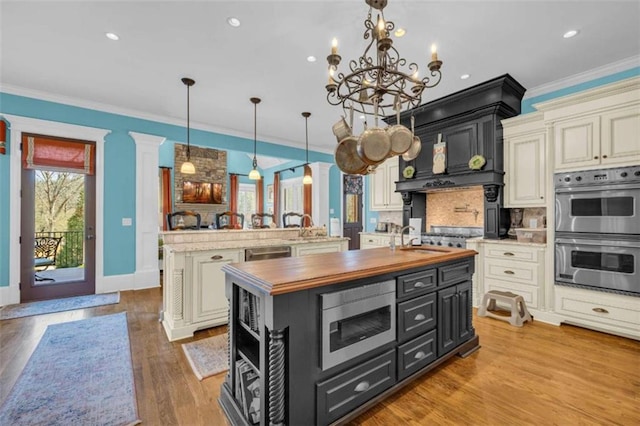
383,227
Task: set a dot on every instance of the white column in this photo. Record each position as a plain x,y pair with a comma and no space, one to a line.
147,273
320,193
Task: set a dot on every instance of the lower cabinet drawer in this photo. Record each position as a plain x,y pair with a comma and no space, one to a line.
453,274
417,283
510,270
416,316
414,355
346,391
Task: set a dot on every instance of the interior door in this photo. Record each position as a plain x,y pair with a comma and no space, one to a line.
57,232
352,214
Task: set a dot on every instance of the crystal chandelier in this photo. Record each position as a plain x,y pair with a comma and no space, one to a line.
379,82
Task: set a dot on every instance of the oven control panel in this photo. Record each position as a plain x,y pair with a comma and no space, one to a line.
598,177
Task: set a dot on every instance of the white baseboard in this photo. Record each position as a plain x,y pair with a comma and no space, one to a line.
146,279
113,283
9,295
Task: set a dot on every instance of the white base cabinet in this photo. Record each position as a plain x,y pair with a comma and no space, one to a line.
316,248
608,312
369,241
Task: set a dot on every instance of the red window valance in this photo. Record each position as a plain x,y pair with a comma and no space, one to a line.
58,155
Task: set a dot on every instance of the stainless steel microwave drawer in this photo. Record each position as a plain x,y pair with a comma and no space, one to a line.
346,391
417,283
416,316
417,353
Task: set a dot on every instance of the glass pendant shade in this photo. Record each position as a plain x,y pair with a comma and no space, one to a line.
254,174
306,180
188,168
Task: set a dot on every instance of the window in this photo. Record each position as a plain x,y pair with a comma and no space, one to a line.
247,202
292,195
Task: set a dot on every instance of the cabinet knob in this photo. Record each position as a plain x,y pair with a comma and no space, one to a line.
508,272
362,386
419,355
419,284
604,156
419,317
541,197
216,257
600,310
595,157
508,253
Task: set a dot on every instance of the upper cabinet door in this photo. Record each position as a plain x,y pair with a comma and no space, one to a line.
525,181
462,144
577,143
621,136
382,188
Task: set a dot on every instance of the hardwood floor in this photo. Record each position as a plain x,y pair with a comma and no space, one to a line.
537,374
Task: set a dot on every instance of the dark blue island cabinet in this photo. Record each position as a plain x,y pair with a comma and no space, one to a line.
319,339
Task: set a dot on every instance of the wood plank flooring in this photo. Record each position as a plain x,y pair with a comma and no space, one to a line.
538,374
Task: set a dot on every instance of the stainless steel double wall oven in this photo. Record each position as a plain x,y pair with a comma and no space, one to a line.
597,218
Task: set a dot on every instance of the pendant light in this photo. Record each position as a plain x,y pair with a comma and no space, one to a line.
306,180
255,174
187,167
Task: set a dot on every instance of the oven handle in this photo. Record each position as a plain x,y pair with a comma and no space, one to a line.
597,188
606,243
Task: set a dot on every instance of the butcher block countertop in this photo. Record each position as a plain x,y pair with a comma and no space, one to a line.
287,275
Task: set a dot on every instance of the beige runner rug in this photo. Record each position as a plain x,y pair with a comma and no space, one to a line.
208,356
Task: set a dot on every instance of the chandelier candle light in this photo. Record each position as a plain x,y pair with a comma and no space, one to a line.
255,174
376,83
187,167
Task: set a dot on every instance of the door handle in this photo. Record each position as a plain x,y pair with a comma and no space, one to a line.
419,284
508,272
600,310
508,253
362,386
419,317
216,257
89,237
419,355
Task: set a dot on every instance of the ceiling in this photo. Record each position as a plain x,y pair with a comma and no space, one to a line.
59,49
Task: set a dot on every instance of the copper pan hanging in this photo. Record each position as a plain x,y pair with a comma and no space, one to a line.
401,138
374,144
416,145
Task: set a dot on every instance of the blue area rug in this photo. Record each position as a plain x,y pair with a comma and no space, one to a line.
57,305
79,374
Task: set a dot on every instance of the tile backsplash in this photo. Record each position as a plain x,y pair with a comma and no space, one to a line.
459,207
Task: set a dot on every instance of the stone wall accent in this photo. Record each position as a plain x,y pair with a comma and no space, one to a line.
211,166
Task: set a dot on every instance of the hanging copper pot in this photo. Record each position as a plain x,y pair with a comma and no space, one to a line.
416,144
400,137
347,158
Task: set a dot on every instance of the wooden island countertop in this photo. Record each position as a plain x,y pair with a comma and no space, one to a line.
287,275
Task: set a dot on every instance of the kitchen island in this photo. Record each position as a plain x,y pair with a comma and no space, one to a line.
320,339
193,293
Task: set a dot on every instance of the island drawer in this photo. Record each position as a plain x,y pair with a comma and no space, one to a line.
416,316
453,274
418,353
346,391
417,283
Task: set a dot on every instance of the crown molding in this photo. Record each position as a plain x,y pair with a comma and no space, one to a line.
583,77
113,109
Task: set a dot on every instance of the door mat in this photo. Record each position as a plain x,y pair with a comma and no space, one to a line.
57,305
208,356
79,374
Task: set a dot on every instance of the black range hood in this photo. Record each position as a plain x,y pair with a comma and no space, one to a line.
469,122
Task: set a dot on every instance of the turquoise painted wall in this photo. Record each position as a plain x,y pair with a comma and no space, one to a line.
120,169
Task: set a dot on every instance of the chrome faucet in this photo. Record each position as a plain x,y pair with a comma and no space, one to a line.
402,235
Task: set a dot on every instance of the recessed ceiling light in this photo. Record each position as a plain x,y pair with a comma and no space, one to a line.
362,117
311,58
400,32
571,33
234,22
464,76
112,36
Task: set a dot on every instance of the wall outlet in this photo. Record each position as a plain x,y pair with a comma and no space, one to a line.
126,221
330,211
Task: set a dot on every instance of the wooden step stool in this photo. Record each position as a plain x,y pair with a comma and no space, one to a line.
519,312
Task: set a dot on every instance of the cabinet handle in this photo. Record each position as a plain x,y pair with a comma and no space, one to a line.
508,253
595,157
419,284
508,272
216,257
604,156
362,386
370,241
419,355
542,198
600,310
419,317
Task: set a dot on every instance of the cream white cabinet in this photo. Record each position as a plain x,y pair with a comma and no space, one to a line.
368,241
193,287
525,161
513,267
597,128
324,247
601,311
382,187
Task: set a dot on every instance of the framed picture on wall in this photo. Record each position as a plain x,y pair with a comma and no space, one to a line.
201,192
269,193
